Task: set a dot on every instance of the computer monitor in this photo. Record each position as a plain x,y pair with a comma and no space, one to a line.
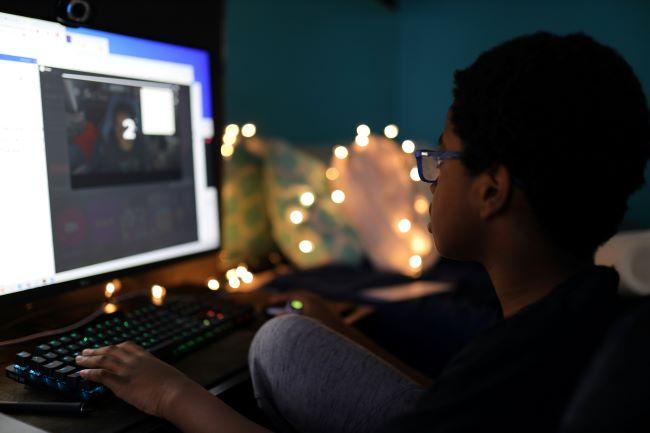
103,163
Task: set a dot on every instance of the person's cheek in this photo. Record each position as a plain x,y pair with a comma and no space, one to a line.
436,218
432,188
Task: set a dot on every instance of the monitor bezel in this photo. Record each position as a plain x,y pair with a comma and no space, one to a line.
51,290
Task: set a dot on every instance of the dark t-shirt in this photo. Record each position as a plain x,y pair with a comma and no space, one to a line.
519,374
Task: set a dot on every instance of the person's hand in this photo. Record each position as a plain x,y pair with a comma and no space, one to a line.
135,376
313,306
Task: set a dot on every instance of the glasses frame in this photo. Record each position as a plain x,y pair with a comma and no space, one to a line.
439,155
442,155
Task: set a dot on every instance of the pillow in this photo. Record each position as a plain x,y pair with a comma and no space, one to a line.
322,237
246,233
386,207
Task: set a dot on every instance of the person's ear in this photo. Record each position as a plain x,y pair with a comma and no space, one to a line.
494,190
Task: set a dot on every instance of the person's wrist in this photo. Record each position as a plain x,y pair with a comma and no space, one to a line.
172,402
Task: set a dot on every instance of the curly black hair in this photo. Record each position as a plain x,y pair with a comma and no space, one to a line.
568,117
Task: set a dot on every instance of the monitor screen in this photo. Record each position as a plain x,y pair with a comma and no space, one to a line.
103,161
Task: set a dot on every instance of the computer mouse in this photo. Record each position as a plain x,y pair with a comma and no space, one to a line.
293,306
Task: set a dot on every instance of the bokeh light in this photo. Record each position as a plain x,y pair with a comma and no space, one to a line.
415,261
296,217
363,130
341,152
361,140
391,131
307,198
248,130
421,205
414,174
404,225
332,173
231,129
227,150
408,146
213,284
338,196
306,246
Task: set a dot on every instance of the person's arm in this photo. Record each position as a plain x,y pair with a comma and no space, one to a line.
159,389
195,410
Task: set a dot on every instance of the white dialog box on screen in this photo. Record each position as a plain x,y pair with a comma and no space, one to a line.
157,108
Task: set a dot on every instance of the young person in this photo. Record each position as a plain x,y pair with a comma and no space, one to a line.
545,141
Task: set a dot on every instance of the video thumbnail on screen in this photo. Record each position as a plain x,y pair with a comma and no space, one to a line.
120,131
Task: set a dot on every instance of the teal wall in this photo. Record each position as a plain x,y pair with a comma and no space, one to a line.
311,70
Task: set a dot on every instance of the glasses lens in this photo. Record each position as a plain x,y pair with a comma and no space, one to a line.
430,169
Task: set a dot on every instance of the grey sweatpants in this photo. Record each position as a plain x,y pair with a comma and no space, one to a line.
310,379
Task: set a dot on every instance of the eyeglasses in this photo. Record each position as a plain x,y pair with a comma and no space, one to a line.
429,162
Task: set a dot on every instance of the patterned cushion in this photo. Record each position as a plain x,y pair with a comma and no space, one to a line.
246,227
288,173
380,194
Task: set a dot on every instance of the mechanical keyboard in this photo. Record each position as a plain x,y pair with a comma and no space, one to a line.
168,331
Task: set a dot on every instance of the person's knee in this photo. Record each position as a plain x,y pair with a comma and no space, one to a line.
276,339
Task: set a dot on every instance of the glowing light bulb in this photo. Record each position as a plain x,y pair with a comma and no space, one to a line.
363,130
248,130
362,140
112,287
158,291
231,129
110,308
229,139
248,278
414,174
109,290
231,273
415,261
306,246
408,146
404,225
421,205
341,152
332,173
338,196
241,271
234,282
391,131
213,284
296,217
420,245
307,199
227,150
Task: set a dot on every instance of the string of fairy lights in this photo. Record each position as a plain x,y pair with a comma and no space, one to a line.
299,213
240,277
235,277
